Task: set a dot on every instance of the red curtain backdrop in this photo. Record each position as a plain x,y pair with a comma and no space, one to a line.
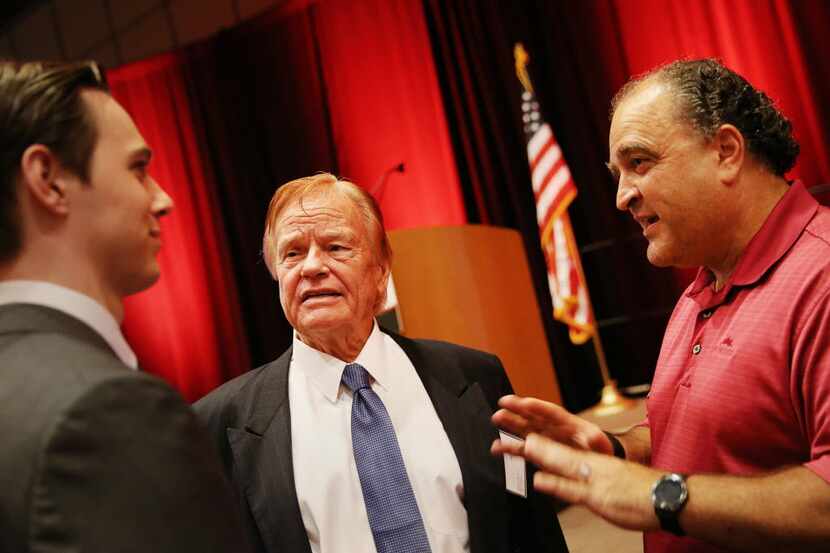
385,108
187,328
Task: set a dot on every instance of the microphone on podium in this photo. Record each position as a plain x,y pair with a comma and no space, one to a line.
380,187
389,316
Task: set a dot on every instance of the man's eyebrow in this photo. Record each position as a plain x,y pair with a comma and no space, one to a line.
288,237
627,150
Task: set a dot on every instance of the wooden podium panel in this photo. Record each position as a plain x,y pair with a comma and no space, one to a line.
471,285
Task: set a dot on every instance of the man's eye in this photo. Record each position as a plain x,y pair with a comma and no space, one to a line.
140,169
337,247
638,163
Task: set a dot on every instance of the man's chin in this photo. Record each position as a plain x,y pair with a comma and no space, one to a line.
327,326
658,256
315,324
146,280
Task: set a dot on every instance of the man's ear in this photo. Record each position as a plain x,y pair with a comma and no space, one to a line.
383,283
44,178
731,148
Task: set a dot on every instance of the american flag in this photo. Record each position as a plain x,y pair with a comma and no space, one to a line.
554,190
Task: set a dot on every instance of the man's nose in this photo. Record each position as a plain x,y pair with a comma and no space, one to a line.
162,203
627,195
314,262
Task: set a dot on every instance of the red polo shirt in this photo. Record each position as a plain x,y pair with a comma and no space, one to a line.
742,384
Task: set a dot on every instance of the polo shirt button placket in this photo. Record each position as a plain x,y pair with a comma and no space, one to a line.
696,349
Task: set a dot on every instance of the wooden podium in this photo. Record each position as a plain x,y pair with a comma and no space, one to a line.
471,285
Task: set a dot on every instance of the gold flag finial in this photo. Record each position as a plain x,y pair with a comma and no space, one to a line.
521,57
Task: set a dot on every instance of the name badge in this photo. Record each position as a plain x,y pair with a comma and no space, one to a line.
515,472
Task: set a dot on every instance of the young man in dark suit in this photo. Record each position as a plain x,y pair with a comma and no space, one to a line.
96,456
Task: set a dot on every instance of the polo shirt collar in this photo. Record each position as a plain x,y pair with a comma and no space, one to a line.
779,232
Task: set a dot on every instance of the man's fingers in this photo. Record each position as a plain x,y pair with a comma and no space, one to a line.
500,447
522,415
523,421
572,491
555,458
544,410
505,401
534,409
510,421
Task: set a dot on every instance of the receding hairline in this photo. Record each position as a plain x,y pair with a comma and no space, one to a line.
660,83
340,189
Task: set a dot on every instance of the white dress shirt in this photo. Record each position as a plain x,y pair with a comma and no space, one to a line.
75,304
325,475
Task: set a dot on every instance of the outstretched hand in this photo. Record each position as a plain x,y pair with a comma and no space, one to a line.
618,491
576,462
525,415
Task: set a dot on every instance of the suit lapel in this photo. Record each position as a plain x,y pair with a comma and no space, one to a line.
465,414
263,460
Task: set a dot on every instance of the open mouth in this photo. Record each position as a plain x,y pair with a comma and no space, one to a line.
319,294
646,222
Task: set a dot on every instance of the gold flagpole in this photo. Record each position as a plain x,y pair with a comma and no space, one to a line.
611,400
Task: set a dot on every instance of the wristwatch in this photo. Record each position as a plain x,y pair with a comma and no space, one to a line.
669,495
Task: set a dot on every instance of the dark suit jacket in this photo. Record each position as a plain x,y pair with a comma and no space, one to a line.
96,457
249,419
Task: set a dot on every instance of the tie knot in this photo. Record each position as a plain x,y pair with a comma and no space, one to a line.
355,377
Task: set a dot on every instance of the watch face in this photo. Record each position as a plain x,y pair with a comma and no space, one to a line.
670,493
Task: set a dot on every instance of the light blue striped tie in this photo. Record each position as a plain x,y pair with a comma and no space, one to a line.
394,517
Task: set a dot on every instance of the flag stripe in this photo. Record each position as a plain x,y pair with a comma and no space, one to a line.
551,192
548,165
534,164
538,141
560,205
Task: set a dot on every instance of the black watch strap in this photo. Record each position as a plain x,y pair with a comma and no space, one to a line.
669,523
619,450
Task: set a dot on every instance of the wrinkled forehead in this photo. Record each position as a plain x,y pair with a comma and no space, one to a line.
320,212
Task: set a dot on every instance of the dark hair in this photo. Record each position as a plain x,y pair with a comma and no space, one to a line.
40,103
711,95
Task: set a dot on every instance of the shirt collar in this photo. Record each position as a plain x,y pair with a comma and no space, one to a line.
325,371
783,226
73,303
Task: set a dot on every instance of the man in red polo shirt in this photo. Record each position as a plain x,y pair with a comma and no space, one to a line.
735,451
